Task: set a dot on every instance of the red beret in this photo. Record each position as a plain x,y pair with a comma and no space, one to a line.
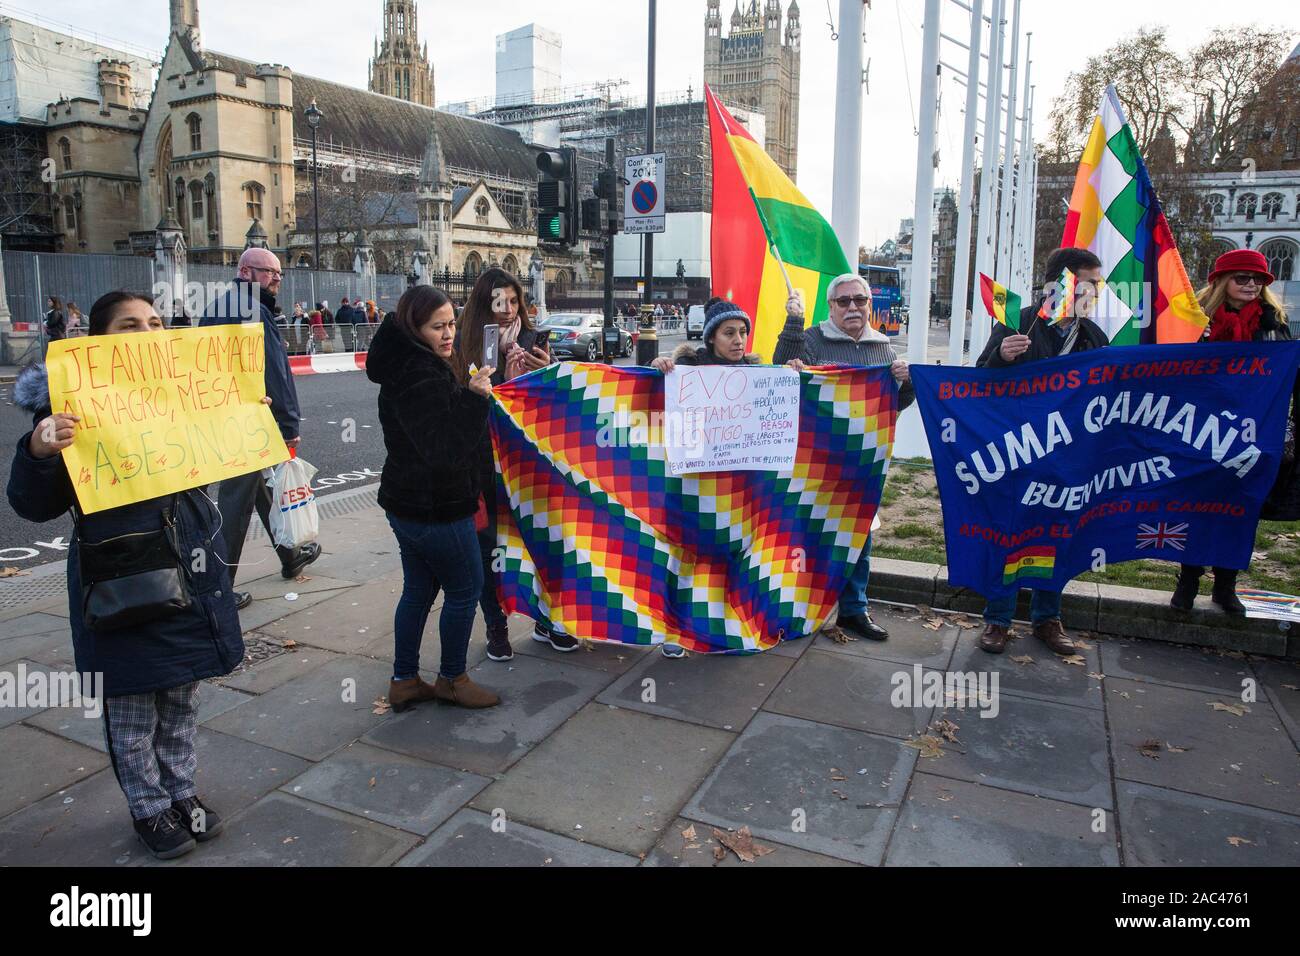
1241,260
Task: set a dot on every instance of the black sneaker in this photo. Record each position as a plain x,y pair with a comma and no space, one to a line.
203,821
498,644
165,834
861,625
304,556
561,642
243,599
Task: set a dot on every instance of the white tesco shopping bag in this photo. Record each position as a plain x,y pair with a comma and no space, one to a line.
294,519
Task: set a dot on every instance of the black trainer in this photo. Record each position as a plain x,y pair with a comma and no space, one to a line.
165,834
243,599
498,644
302,557
861,625
561,642
204,823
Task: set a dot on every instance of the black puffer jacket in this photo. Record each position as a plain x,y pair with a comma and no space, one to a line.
434,429
203,641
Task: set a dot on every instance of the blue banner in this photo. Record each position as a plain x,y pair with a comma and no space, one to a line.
1054,468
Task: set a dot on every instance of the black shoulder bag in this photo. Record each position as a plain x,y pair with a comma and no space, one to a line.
133,578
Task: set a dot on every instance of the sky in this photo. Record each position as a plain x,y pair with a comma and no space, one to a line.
607,40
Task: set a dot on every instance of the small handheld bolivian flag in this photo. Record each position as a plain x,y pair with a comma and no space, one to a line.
1059,304
1035,561
1002,304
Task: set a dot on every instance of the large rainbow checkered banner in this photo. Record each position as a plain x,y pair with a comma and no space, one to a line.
600,539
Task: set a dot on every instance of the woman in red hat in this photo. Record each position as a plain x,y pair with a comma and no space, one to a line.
1241,309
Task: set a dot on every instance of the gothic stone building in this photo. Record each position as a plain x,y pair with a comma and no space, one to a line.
757,66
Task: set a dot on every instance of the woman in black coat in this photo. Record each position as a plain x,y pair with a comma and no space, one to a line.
434,417
150,671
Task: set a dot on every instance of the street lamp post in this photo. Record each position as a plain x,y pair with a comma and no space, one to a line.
314,117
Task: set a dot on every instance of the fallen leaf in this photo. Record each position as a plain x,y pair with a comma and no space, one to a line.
1022,659
1077,659
838,636
740,843
1150,748
946,796
287,840
840,795
372,783
719,853
380,706
1174,750
1237,710
1240,841
946,729
933,624
689,833
302,578
12,572
928,744
288,644
1096,676
838,776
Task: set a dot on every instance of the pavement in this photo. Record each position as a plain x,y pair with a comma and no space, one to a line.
1138,753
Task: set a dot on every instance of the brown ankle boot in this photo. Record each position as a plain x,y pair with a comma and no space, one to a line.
463,692
994,639
403,693
1052,633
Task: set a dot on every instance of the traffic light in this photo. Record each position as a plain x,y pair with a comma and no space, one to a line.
557,192
594,217
603,213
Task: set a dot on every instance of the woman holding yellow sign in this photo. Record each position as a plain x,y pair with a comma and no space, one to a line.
149,602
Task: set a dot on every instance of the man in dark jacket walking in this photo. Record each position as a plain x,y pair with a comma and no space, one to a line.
252,298
1043,340
845,338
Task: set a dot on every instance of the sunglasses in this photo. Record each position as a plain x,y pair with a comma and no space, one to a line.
1248,278
844,301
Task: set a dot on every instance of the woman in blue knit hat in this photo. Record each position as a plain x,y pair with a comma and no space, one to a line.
726,333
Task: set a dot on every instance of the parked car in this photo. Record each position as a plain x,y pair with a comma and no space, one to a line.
578,335
695,322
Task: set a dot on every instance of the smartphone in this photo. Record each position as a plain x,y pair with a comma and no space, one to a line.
491,338
543,340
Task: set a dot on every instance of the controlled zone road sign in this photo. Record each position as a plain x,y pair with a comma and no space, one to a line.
643,196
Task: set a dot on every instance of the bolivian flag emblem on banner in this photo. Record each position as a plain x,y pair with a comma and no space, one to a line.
756,207
1032,562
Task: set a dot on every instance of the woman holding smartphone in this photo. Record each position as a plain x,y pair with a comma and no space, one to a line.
434,417
498,300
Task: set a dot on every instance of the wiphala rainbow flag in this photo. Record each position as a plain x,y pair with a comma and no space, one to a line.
602,540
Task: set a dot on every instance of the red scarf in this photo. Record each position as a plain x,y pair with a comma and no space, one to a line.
1229,326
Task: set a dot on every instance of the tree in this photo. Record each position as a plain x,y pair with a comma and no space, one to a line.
376,200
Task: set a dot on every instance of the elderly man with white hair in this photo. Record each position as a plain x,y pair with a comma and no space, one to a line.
252,298
847,338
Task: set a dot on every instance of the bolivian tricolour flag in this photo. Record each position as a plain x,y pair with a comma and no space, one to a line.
1001,303
1033,562
1115,214
756,209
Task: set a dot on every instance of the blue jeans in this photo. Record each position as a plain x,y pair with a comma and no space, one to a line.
853,599
1043,606
434,556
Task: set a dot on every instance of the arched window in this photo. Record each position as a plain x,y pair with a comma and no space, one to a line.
70,214
1272,205
473,265
196,132
210,190
197,212
406,81
1246,204
178,191
1281,256
510,264
1216,204
65,154
342,263
481,211
253,199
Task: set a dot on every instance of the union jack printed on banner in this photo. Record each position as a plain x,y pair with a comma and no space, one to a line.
1159,535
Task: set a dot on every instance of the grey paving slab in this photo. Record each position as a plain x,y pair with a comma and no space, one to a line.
280,830
1048,677
536,697
233,773
674,849
780,775
338,620
1182,666
309,716
37,764
610,776
29,624
84,824
1032,746
467,839
388,787
794,647
849,691
609,657
954,823
52,648
17,687
1169,828
1281,682
270,674
910,642
716,690
1248,759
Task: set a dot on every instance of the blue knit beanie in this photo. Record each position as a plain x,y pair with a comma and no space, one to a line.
719,312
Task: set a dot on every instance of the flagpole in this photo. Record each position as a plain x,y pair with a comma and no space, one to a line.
986,223
965,202
918,321
1003,264
1022,255
846,182
771,241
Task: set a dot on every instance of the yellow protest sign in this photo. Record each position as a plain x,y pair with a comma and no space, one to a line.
163,411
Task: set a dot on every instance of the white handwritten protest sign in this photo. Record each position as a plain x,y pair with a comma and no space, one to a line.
731,418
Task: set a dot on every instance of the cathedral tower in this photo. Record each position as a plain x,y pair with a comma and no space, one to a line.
400,66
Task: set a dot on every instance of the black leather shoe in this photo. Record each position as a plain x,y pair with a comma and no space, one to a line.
861,625
304,556
243,599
